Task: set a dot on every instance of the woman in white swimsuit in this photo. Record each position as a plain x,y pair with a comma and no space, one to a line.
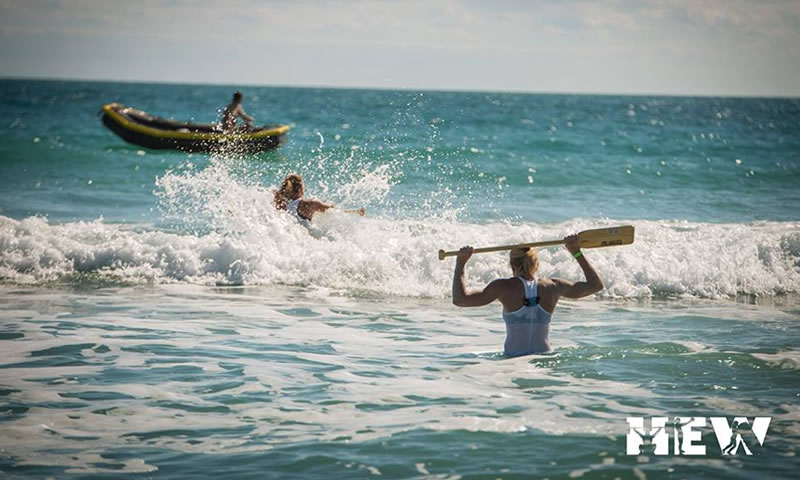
528,303
290,198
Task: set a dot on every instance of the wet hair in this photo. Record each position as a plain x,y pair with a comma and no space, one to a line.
524,261
290,190
237,96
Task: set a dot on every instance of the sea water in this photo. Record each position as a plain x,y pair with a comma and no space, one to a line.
160,318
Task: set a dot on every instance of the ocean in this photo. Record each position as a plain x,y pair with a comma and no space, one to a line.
158,317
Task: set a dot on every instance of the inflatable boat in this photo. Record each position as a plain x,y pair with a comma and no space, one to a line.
140,128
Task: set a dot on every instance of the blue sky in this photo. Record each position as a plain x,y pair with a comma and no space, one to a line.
705,47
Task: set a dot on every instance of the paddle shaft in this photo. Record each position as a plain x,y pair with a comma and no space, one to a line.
549,243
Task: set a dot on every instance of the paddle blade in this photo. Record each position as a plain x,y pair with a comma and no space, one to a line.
360,211
606,237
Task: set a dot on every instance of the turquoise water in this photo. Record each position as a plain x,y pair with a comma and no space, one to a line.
159,318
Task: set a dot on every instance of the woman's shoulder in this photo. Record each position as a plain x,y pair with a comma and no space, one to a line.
549,284
510,284
553,285
509,280
308,201
505,283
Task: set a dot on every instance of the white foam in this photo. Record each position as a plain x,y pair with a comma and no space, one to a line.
233,235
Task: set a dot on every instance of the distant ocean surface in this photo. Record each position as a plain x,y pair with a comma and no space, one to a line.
159,317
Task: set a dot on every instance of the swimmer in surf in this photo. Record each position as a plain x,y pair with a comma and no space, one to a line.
290,198
528,303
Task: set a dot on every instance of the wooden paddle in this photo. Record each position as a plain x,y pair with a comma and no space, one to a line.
361,211
599,237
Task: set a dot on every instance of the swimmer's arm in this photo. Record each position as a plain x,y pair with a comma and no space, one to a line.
566,288
308,208
462,298
475,299
591,285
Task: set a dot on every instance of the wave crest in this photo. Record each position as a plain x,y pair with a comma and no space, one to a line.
398,257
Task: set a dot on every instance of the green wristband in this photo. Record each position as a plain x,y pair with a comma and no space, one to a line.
577,254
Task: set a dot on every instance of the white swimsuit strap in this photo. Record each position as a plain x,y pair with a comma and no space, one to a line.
292,205
531,287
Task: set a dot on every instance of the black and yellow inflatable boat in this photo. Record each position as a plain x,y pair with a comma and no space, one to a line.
140,128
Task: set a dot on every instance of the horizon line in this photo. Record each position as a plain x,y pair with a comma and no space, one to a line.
398,89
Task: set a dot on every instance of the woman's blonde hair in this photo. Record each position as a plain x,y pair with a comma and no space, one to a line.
290,189
524,261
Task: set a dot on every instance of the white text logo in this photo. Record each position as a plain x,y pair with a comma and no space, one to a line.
686,434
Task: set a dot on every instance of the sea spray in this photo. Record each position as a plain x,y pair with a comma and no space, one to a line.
227,232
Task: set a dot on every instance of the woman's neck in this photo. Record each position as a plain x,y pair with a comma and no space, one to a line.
526,277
